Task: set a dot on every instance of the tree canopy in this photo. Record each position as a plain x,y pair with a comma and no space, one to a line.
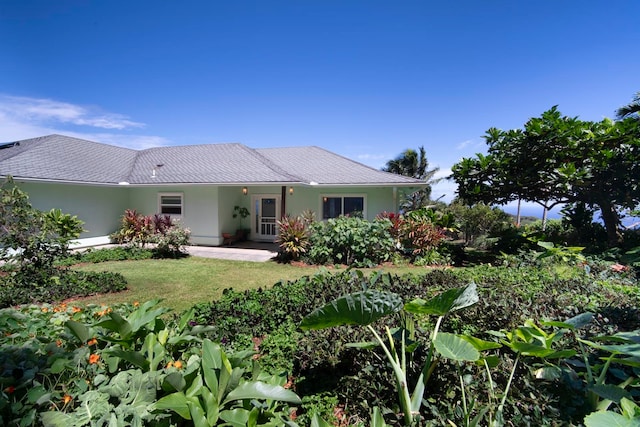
414,164
558,159
630,110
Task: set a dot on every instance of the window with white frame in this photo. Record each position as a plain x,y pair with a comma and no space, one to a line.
170,204
335,205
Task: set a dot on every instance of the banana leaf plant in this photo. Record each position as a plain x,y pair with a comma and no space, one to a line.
366,307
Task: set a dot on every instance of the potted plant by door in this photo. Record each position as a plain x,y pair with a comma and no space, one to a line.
241,212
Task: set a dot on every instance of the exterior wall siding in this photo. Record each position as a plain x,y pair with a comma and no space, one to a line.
207,210
99,207
200,209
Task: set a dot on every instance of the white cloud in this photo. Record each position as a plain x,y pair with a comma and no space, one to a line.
23,118
39,110
376,161
137,142
469,143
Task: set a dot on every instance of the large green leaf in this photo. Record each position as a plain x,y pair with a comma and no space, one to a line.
134,357
238,417
176,402
361,308
79,330
316,421
481,345
454,347
56,419
529,349
264,391
609,419
117,323
610,392
376,418
446,302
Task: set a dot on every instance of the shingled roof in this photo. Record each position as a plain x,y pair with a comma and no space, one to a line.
66,159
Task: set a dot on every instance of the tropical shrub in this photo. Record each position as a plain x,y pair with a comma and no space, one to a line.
31,244
352,241
293,238
419,234
141,230
475,223
30,238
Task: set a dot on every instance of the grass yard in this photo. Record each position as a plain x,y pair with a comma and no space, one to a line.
181,283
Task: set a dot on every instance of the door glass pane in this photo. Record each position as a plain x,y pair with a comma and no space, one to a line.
269,208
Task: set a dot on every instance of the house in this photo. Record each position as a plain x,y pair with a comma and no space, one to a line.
198,184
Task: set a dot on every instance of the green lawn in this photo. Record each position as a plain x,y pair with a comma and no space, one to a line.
184,282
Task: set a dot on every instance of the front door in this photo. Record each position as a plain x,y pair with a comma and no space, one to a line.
265,213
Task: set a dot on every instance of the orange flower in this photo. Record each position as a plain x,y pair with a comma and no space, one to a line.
177,364
66,399
170,364
136,304
76,309
94,358
92,341
58,343
44,309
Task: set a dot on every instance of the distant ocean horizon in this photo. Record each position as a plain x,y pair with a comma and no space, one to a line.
534,211
537,211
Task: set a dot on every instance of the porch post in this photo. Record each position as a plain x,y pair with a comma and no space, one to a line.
283,201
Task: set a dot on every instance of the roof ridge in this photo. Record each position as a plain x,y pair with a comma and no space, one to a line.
164,147
268,163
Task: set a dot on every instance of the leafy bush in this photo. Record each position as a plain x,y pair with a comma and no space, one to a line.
117,253
16,289
171,241
140,230
32,240
474,222
352,241
419,234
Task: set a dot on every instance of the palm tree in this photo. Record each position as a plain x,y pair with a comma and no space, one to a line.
630,110
414,164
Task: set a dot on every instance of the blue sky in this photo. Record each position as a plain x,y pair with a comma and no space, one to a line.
365,79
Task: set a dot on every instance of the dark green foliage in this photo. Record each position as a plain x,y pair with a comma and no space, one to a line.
16,289
477,224
324,363
117,253
557,159
32,242
351,241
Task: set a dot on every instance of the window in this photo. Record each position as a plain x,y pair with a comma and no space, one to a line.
170,204
334,206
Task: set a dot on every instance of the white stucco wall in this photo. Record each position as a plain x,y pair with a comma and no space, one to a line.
100,207
200,209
